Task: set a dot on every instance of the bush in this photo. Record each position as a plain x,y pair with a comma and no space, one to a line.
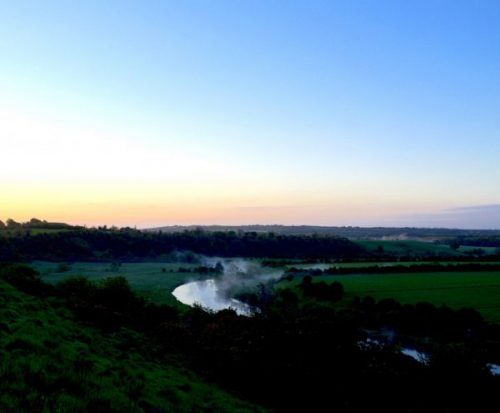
24,278
78,287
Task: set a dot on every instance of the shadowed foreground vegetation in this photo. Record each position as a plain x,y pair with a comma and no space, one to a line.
49,362
86,346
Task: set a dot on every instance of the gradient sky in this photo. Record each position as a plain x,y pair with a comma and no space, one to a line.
232,112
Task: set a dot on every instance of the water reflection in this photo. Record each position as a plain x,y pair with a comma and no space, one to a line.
494,369
207,294
416,355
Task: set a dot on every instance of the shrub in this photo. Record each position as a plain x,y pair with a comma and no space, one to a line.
24,278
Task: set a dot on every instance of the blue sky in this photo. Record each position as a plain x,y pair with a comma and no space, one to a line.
319,112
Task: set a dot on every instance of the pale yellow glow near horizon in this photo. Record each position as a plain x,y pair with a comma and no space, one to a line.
84,173
144,207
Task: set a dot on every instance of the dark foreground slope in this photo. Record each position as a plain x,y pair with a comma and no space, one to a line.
81,346
49,362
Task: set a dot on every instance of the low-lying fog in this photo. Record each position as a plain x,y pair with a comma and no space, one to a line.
243,276
218,293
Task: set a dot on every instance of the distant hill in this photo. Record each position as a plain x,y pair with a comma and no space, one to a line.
353,233
33,227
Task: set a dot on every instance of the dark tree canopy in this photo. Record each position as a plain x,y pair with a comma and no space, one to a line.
129,245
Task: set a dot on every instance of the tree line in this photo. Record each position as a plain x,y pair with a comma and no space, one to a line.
395,269
33,223
132,245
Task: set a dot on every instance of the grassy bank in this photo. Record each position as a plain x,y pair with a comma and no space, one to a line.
49,362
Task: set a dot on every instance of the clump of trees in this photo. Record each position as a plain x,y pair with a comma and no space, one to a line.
33,223
492,240
111,304
396,269
322,291
131,245
24,277
422,319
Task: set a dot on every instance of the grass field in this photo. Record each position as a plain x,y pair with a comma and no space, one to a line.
49,362
147,278
487,250
480,290
325,266
419,248
407,247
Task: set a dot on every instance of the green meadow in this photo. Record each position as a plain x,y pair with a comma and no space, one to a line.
153,280
409,247
420,248
363,264
478,290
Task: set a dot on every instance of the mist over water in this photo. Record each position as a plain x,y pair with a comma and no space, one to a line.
207,294
218,293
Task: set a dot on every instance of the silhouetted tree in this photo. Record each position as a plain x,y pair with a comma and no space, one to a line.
12,224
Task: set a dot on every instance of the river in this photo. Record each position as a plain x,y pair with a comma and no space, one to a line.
212,294
207,294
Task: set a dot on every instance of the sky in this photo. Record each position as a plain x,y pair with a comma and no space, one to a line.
242,112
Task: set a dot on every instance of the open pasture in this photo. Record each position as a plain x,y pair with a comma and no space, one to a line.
407,247
153,280
478,290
